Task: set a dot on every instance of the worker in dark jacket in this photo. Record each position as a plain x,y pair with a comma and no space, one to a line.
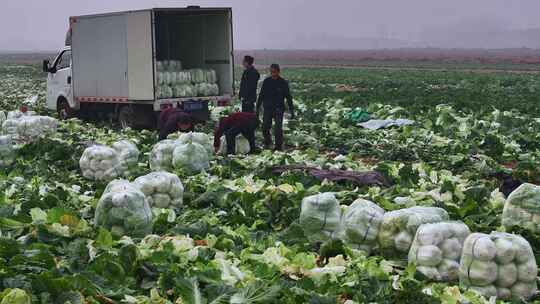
174,120
234,125
248,85
272,97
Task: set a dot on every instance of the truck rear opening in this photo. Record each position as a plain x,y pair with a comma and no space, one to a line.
193,51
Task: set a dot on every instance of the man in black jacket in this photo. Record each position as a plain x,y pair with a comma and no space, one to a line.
248,85
272,97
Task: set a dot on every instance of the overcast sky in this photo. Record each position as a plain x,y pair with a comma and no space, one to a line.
41,24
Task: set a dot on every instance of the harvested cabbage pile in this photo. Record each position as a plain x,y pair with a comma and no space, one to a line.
173,82
198,76
207,89
7,152
320,217
191,157
184,90
241,147
128,154
522,208
200,138
436,250
24,128
360,224
161,156
124,210
162,189
100,163
498,265
399,227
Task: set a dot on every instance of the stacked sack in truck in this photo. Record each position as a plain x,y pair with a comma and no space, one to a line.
360,224
436,250
522,208
26,127
498,265
105,163
174,82
398,227
7,152
191,152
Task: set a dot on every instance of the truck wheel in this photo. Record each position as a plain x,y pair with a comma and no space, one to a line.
126,117
64,110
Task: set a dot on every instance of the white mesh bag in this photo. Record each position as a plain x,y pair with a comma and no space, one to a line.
399,227
436,250
242,145
360,224
191,157
522,208
100,163
7,152
128,154
200,138
162,189
498,265
320,217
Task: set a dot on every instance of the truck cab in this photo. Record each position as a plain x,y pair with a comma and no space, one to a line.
59,84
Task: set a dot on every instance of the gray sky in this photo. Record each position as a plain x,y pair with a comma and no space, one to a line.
41,24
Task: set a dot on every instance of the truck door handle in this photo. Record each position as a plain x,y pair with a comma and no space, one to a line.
69,80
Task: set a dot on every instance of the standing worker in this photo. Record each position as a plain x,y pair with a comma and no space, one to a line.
233,125
274,91
248,85
174,120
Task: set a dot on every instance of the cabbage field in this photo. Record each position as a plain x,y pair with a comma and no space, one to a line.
237,231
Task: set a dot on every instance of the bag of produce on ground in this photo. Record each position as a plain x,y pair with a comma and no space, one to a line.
128,154
522,208
197,75
100,163
198,137
124,210
191,157
161,156
498,265
162,189
436,250
7,152
399,227
28,128
211,76
320,217
360,224
242,145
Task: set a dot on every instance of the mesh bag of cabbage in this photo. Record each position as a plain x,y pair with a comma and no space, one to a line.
200,138
399,227
436,250
128,154
28,128
190,157
498,265
7,152
100,163
522,208
124,210
162,189
241,147
360,224
320,217
161,156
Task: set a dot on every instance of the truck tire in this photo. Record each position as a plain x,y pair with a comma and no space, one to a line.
126,117
63,109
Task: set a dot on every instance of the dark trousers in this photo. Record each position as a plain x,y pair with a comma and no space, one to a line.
248,131
248,105
275,115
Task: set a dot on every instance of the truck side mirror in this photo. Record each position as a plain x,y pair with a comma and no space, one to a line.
46,66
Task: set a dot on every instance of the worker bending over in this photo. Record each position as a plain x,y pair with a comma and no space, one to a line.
173,120
248,85
233,125
272,97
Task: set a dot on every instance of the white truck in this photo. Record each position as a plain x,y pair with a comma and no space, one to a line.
130,65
